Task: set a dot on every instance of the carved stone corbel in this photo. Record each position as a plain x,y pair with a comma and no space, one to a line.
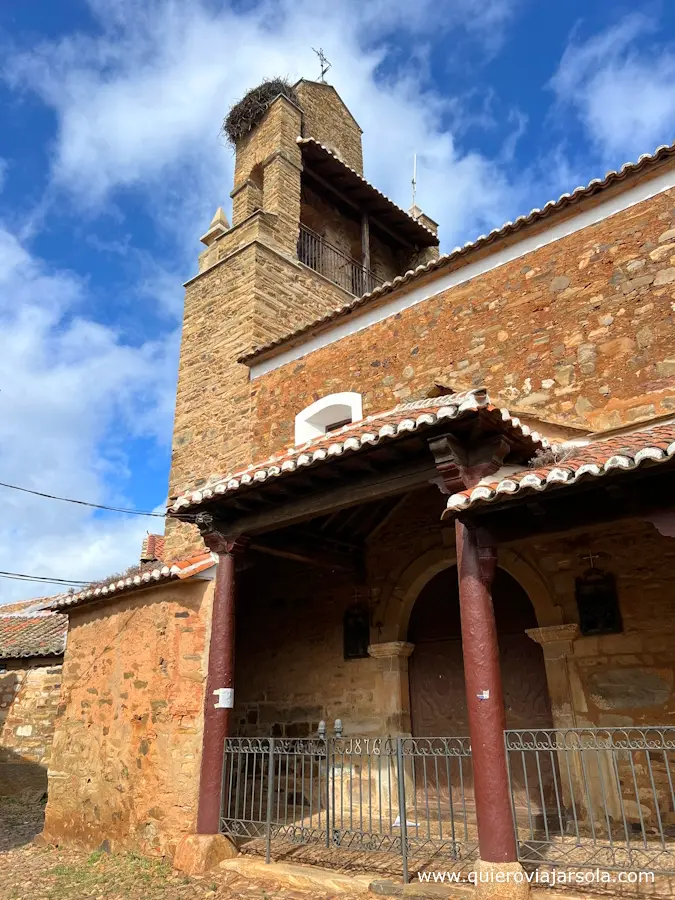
212,532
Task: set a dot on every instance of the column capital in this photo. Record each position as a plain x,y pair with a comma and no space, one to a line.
391,650
555,640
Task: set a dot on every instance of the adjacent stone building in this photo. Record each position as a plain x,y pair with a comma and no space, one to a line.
335,372
32,643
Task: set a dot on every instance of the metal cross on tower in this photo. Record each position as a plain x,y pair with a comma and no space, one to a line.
325,65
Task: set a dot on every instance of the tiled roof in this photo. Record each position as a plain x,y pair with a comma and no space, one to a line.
387,426
625,453
312,142
612,177
153,547
184,568
24,606
32,634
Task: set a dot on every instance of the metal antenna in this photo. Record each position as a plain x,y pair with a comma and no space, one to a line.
325,65
414,181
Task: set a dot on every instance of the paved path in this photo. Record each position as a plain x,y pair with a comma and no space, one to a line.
28,872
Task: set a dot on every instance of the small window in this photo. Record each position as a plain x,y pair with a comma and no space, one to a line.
598,603
327,414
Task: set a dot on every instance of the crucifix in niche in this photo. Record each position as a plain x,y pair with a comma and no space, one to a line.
597,600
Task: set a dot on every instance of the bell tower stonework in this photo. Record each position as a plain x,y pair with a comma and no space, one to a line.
251,287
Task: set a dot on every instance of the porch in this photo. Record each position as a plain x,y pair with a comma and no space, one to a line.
346,611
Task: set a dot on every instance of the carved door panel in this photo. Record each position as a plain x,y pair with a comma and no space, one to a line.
437,693
438,700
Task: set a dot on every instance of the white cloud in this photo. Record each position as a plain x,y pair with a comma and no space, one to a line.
622,87
138,106
141,103
71,393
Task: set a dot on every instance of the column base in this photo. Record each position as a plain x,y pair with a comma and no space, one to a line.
197,853
500,881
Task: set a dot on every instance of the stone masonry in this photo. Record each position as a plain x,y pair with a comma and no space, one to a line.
250,289
29,697
127,748
327,120
580,330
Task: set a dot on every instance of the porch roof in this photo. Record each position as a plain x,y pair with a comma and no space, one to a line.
368,435
359,192
654,445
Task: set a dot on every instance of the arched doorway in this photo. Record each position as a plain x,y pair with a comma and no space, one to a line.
437,694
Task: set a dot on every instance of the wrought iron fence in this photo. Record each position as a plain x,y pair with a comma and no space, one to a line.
594,797
408,796
320,255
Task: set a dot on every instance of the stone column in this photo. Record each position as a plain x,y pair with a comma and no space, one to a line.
392,691
556,642
392,700
567,701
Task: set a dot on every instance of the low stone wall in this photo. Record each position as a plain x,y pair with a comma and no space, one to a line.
29,697
127,747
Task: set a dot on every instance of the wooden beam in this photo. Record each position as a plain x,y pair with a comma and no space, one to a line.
338,193
322,558
387,517
365,241
322,502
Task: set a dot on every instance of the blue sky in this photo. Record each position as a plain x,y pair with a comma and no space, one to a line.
111,166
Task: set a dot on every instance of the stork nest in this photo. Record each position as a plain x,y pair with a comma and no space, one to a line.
246,114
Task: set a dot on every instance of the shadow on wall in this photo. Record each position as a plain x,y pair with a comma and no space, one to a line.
21,778
23,795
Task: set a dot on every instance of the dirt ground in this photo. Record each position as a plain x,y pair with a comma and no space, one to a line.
39,873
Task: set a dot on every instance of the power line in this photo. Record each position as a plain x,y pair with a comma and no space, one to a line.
17,576
119,509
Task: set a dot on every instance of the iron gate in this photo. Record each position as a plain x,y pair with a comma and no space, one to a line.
408,796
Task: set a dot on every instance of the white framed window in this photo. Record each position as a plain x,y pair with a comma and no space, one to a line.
327,414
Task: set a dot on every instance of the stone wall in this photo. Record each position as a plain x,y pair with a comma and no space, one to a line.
250,290
29,697
127,747
579,330
326,119
250,297
291,671
627,678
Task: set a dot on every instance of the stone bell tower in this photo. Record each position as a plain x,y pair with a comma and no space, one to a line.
300,245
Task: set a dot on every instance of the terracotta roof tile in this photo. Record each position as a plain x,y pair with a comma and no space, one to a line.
647,447
182,569
612,177
387,426
23,606
310,142
32,634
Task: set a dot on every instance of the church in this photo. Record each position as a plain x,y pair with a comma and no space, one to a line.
416,591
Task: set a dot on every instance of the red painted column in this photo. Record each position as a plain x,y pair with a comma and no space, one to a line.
220,675
485,702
